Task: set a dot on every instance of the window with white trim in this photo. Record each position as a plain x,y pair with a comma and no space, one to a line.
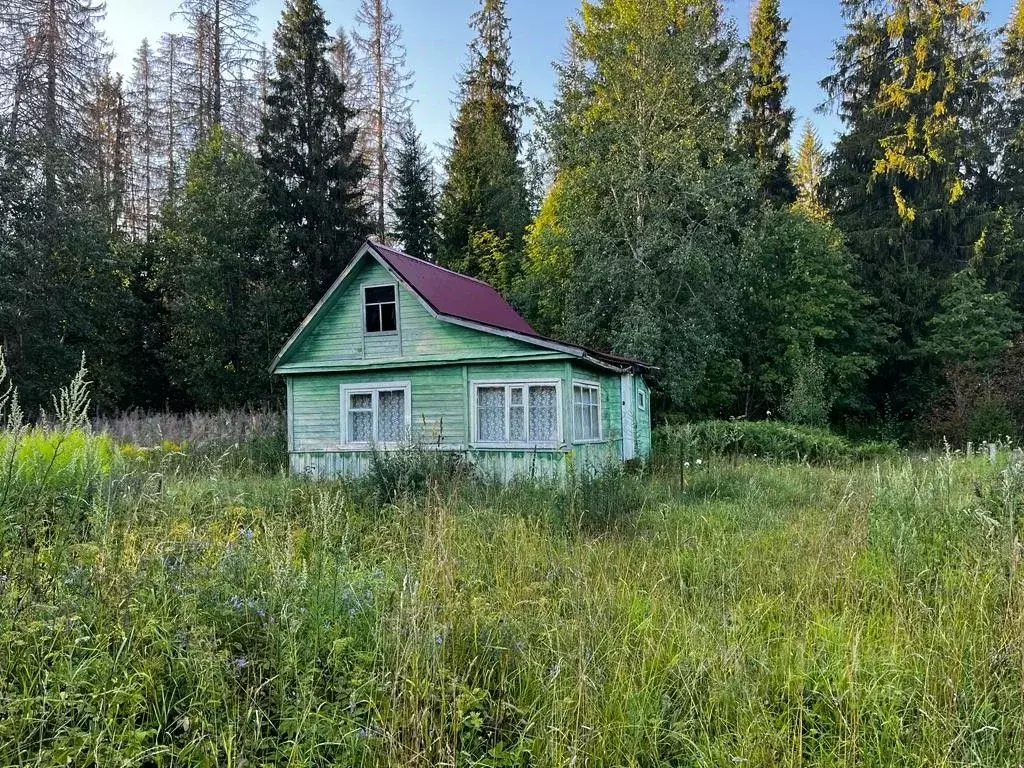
376,414
380,309
516,413
586,411
641,399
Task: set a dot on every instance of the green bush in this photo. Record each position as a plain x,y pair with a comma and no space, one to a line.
410,471
767,439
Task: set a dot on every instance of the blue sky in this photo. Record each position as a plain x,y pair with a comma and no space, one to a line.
436,34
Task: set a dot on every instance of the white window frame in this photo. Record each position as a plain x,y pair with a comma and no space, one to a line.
641,398
508,384
374,389
364,288
600,411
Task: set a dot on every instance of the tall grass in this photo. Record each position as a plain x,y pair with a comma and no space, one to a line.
865,614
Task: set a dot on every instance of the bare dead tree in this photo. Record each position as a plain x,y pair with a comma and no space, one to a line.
145,144
222,51
380,58
169,98
52,55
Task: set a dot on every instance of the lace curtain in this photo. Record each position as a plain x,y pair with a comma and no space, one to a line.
360,417
391,416
543,415
533,408
490,414
390,407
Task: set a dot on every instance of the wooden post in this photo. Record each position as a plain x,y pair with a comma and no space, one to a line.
970,449
992,453
1018,457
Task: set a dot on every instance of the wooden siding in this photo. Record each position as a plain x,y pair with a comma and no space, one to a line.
439,360
440,405
437,403
643,420
611,412
338,336
489,465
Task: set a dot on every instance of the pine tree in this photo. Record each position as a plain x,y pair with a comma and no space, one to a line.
307,149
766,124
485,187
415,201
808,172
382,67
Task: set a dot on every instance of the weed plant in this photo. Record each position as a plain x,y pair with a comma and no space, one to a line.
782,614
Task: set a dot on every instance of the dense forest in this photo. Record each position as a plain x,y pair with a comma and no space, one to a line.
174,225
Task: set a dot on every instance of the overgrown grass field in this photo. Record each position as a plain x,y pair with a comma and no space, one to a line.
165,609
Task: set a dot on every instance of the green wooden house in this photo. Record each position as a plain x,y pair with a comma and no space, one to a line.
403,352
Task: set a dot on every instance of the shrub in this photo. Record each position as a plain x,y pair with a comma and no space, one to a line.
768,439
410,471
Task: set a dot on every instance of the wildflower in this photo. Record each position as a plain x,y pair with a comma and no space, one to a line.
438,639
699,462
241,662
247,533
686,464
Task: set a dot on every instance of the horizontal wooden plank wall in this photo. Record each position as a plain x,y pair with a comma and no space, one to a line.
436,405
492,465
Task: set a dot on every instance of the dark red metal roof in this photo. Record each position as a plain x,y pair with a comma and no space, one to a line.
456,295
450,293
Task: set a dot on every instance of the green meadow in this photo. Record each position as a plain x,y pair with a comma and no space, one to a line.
161,607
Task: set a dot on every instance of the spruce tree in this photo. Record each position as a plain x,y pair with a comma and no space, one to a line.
808,172
485,187
1012,71
170,108
415,201
221,43
766,124
307,149
908,183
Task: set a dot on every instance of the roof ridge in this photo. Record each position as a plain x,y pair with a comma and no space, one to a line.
433,264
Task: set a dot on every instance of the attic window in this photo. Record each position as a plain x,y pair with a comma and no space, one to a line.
380,309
